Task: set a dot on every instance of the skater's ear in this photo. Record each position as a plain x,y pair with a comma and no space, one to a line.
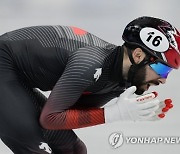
138,55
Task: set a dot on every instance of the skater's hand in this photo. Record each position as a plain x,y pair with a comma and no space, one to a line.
131,108
139,108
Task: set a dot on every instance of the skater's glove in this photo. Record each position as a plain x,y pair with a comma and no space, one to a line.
131,108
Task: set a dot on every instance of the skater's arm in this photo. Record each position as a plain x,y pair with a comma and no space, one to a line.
59,111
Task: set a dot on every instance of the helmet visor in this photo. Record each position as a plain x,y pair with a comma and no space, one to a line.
161,69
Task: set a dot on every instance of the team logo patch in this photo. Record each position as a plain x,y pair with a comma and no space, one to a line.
154,39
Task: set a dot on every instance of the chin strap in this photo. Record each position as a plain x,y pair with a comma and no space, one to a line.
135,67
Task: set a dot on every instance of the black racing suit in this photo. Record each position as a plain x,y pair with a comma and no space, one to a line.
82,71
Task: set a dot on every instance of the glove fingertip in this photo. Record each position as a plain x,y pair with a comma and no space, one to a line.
130,91
133,89
162,115
155,93
168,101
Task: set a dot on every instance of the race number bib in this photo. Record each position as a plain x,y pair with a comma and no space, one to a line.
154,39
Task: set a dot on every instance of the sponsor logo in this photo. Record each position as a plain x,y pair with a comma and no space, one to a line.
97,73
45,147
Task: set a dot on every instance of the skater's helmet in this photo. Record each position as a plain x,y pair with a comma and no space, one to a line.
156,37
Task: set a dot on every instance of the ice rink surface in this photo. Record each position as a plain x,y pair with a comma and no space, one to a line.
106,19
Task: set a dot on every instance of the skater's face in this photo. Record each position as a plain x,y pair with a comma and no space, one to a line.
152,74
146,77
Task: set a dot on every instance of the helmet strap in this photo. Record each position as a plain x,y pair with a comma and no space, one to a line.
130,56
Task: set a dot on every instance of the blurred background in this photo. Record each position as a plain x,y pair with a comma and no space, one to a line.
106,19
